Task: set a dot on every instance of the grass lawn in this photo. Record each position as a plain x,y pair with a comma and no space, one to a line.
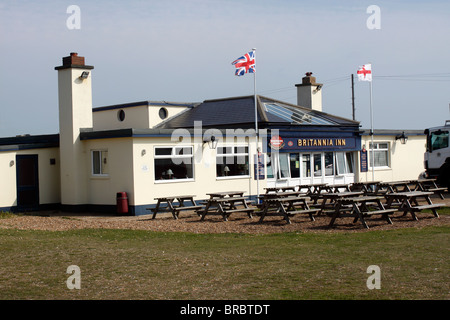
126,264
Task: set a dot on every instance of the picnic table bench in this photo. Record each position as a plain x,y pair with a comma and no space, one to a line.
338,187
429,185
367,187
280,189
226,203
174,209
359,208
409,202
313,187
329,199
286,207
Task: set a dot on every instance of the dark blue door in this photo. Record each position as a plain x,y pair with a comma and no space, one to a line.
27,182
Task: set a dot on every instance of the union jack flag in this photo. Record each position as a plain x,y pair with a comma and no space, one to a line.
245,64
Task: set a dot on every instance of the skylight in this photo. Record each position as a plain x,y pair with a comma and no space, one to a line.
295,115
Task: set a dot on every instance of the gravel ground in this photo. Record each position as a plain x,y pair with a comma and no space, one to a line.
237,223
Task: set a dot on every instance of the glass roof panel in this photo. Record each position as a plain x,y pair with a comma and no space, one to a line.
296,115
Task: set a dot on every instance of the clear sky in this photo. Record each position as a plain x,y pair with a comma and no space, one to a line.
181,51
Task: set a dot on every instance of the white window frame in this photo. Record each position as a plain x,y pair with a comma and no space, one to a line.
347,166
174,155
101,166
234,154
376,149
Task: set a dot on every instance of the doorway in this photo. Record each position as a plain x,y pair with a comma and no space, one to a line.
27,182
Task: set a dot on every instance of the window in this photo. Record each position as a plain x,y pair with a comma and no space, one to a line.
163,113
100,162
317,160
294,159
120,115
232,161
269,165
439,140
173,163
344,163
304,165
283,173
380,154
329,164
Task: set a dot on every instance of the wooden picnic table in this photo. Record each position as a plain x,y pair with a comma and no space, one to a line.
359,208
331,197
368,187
281,194
313,187
428,185
392,186
409,202
280,189
226,203
286,207
174,209
338,187
223,194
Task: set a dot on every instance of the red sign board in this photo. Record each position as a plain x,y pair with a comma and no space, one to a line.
276,142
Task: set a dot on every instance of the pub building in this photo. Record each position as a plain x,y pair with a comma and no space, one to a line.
151,149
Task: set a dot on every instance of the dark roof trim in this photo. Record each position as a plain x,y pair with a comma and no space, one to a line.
29,142
144,103
74,66
392,132
87,134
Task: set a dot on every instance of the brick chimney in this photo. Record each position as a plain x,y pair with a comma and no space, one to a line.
309,93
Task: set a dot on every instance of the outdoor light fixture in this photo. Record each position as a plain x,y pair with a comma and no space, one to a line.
84,75
403,138
212,142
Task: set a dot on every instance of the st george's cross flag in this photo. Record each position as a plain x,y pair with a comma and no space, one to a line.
245,64
365,73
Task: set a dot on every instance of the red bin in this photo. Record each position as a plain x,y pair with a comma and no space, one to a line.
122,202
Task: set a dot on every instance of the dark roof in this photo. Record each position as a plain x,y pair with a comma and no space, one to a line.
221,112
241,111
27,141
145,103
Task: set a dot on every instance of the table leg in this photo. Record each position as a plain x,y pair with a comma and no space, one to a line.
337,209
206,210
283,211
222,211
172,209
359,215
408,207
156,209
385,215
264,209
432,209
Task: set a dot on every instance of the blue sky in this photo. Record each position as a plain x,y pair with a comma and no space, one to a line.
182,51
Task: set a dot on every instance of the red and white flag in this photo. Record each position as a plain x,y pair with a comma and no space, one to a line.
365,73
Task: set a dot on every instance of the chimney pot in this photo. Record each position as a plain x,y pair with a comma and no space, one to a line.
73,61
309,79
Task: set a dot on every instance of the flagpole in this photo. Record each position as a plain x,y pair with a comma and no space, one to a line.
256,130
371,131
